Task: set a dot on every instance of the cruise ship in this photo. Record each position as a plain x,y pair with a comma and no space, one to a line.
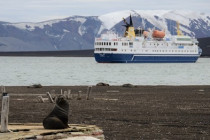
140,46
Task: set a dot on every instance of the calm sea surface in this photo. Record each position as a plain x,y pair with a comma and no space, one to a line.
18,71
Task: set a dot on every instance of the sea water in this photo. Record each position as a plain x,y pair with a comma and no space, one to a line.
24,71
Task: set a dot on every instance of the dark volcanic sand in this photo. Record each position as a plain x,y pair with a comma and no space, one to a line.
144,112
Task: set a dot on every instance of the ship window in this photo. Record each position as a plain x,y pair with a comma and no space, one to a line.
109,43
113,49
183,39
130,43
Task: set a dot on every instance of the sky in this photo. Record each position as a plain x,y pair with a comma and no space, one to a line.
42,10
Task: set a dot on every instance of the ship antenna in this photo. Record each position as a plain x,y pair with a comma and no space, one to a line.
178,30
131,22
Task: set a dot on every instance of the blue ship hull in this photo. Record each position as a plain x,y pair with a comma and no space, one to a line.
131,58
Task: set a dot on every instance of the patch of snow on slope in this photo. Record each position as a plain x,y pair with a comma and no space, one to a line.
31,26
82,30
185,30
111,19
154,17
65,31
79,19
183,17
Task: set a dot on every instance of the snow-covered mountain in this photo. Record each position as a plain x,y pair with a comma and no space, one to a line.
78,32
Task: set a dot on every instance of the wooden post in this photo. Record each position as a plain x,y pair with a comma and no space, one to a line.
65,94
2,89
79,95
69,95
4,112
61,91
50,97
88,92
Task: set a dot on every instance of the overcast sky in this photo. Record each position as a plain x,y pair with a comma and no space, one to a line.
41,10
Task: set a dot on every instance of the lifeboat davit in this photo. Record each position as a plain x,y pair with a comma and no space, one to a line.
158,34
145,33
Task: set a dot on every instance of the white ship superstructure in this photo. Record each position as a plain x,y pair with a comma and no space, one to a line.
139,46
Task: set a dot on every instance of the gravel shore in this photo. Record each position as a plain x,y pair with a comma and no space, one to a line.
124,113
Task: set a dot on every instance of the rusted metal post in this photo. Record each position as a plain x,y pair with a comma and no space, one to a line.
4,112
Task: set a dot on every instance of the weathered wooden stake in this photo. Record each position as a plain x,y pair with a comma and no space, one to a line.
69,95
50,97
79,95
65,94
4,112
61,92
88,92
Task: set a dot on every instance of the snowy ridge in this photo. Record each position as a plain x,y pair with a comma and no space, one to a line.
31,26
110,19
158,18
79,32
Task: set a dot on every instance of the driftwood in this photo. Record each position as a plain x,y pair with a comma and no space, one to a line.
51,96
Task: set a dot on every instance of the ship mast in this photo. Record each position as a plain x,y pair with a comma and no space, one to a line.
179,32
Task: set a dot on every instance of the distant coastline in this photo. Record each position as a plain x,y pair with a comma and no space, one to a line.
204,43
72,53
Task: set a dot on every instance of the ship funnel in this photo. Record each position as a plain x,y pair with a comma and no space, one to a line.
129,31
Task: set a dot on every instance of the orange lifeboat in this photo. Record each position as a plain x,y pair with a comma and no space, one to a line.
158,34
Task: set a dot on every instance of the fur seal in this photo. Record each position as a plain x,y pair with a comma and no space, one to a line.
58,118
